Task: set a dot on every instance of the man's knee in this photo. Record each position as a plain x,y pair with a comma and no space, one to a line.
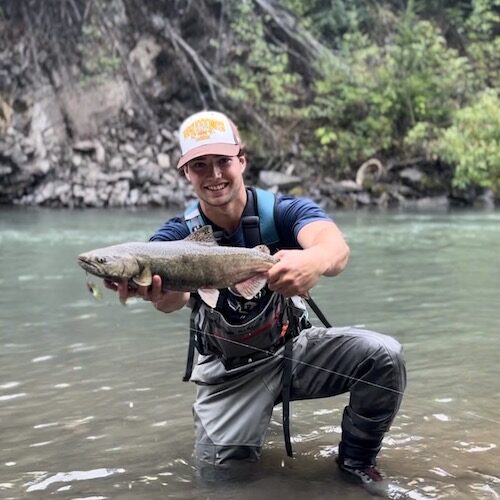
387,356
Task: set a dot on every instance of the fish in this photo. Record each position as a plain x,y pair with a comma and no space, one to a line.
194,264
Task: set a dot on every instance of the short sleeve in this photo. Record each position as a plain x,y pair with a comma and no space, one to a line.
174,229
292,214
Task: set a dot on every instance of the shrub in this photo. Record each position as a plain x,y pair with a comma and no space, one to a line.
472,143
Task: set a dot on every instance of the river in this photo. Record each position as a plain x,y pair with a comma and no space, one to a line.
91,400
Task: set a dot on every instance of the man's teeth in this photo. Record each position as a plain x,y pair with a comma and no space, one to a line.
216,188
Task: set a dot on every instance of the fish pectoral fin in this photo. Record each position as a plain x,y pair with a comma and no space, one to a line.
209,295
251,287
145,278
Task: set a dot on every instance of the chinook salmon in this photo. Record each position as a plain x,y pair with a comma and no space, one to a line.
196,263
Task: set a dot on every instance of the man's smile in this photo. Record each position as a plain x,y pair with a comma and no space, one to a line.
216,187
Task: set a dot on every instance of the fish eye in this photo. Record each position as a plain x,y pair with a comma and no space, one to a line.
101,260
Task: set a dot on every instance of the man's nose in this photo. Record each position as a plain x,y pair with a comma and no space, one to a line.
215,169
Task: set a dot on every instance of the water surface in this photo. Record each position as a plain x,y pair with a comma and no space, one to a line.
92,404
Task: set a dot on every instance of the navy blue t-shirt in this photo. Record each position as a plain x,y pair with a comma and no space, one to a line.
291,215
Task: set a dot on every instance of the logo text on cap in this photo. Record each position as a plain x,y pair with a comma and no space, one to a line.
203,128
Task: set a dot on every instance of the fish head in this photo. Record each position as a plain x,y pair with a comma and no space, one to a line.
108,264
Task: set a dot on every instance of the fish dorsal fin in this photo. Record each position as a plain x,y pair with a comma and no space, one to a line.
263,249
203,235
145,278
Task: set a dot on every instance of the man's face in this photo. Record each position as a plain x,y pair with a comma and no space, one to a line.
217,180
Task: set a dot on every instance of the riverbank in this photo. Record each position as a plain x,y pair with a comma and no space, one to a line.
348,117
122,164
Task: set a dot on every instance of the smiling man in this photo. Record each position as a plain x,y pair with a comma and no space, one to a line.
256,353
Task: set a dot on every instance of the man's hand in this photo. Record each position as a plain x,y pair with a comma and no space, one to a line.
324,253
296,272
163,300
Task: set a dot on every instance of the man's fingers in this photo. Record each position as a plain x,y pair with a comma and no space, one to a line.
156,292
152,293
156,284
110,285
123,292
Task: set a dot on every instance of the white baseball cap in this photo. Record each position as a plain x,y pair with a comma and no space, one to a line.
207,133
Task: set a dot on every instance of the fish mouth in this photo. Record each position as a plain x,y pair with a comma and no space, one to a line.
88,265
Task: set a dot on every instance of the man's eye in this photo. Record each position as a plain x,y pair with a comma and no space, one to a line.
198,165
224,162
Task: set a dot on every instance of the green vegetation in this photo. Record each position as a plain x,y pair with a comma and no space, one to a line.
329,83
98,54
472,143
391,84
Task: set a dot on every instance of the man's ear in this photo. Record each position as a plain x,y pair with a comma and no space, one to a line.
186,173
243,162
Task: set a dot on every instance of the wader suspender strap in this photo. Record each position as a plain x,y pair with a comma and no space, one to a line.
194,221
287,380
190,354
257,221
191,345
318,312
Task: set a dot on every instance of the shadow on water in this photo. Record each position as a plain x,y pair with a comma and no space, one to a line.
91,403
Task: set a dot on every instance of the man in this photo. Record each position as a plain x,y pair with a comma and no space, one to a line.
239,386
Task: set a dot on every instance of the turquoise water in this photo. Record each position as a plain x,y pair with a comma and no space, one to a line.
91,399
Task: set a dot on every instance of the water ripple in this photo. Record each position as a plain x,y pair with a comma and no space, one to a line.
66,477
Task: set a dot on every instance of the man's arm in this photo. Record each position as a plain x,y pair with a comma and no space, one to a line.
324,253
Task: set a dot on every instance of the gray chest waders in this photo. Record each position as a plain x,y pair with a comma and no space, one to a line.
258,228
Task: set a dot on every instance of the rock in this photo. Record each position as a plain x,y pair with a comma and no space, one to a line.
148,172
90,105
428,203
163,160
76,160
100,153
278,180
84,146
142,59
125,175
41,166
129,149
383,200
362,198
133,197
47,126
119,194
169,136
116,163
345,186
485,200
412,174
